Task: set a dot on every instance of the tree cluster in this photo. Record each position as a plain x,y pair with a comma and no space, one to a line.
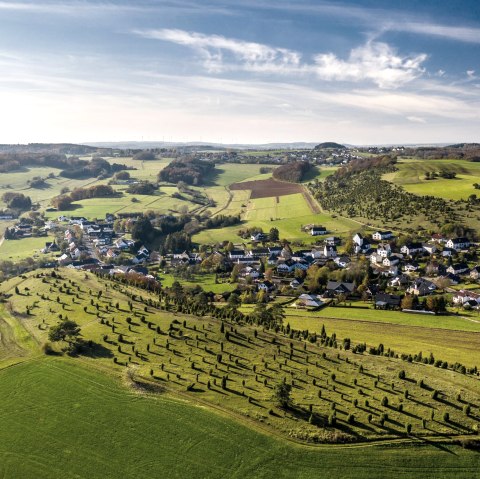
190,171
293,172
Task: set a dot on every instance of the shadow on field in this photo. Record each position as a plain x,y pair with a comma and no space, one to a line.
93,350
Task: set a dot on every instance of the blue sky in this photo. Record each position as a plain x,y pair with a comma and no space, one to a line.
362,72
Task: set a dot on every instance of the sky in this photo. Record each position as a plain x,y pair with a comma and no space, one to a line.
250,71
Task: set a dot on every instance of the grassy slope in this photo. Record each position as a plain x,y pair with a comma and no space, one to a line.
178,360
90,426
71,421
411,175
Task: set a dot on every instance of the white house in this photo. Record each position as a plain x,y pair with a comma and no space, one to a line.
382,235
458,243
412,248
384,250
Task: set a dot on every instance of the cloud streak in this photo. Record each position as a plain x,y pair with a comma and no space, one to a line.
375,61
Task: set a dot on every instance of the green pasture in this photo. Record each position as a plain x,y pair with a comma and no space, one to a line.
449,345
65,419
206,281
226,174
411,176
17,181
288,214
22,248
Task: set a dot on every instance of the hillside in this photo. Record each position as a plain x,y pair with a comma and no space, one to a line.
178,342
330,144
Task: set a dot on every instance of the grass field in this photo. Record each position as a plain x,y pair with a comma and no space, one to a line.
22,248
206,281
449,338
411,176
289,224
68,420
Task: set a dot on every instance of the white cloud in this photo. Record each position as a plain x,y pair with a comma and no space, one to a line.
217,51
416,119
463,34
471,74
375,61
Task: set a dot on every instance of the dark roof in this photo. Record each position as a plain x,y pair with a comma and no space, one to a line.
461,240
390,299
340,287
414,245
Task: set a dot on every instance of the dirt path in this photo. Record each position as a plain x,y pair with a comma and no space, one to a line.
314,206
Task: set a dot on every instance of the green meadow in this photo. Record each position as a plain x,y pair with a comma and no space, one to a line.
65,419
411,176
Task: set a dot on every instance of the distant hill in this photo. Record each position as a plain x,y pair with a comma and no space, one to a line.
330,144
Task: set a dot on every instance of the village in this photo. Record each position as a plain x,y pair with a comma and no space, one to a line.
430,277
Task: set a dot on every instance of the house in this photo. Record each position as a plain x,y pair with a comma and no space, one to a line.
458,243
250,273
358,240
401,280
318,230
333,241
382,235
384,250
296,283
475,272
411,249
259,237
259,252
342,261
391,261
266,286
448,252
411,267
387,301
285,267
308,301
236,254
75,253
64,259
338,287
375,258
438,238
429,248
329,251
422,287
459,268
50,247
463,296
452,278
121,244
